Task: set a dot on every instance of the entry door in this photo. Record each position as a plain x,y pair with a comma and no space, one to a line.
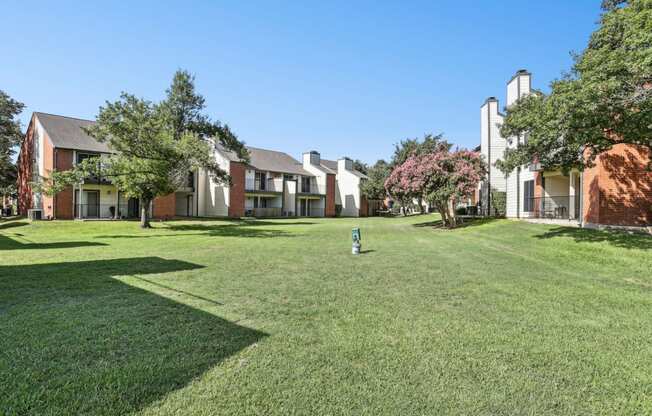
132,208
92,204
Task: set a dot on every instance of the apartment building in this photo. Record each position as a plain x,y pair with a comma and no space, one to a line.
58,142
617,191
270,184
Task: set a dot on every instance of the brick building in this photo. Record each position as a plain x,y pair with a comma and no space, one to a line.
617,191
270,184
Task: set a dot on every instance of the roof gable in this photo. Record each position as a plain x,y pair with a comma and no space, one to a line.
68,133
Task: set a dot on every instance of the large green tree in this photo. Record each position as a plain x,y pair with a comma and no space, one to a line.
10,139
605,99
374,186
155,145
411,147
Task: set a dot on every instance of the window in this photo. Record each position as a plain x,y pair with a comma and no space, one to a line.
260,181
83,156
305,184
528,196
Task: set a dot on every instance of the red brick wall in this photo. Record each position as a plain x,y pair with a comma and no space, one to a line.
237,191
329,210
63,201
48,166
164,207
618,189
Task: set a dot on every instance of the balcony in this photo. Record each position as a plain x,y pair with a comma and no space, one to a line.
552,207
311,188
269,185
312,212
96,180
106,211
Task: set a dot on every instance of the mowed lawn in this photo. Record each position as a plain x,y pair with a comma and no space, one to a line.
276,317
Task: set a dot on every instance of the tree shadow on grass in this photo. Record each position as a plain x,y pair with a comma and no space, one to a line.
465,223
75,340
217,230
614,238
12,224
8,243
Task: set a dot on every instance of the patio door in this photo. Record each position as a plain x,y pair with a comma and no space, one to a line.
92,204
304,207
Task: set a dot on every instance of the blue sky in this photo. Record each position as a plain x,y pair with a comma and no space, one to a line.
345,78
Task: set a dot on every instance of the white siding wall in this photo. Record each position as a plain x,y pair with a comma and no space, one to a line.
290,197
513,196
512,93
517,87
348,186
315,169
213,197
491,140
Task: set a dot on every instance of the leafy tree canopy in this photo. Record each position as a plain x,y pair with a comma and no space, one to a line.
409,147
360,166
374,186
10,138
606,98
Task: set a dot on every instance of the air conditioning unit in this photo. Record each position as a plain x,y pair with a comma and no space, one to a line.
35,214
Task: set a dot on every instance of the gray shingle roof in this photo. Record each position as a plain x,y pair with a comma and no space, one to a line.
269,160
68,133
332,165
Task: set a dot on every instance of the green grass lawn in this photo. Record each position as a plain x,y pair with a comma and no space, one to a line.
278,318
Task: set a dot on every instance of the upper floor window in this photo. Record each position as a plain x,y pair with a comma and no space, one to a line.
83,156
305,184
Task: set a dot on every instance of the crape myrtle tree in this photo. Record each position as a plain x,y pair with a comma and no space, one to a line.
374,186
441,176
449,176
606,98
154,145
10,139
405,182
410,147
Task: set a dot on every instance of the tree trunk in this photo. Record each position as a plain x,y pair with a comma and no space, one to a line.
144,213
451,214
420,201
444,214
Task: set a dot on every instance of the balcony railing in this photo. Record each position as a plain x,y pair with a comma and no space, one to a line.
269,185
311,188
312,212
105,211
551,207
264,212
97,180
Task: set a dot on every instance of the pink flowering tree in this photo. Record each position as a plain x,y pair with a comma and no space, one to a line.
406,182
448,176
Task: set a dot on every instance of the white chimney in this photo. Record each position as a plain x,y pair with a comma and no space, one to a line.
518,86
312,158
344,164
